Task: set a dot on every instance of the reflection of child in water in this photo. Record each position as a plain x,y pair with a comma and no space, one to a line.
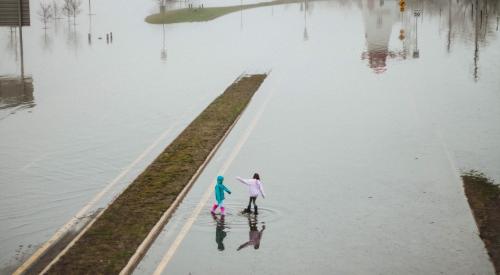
254,235
220,234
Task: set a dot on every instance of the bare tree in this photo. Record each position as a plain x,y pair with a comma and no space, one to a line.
66,9
45,13
55,9
71,8
75,6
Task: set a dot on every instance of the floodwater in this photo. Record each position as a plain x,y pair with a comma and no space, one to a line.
359,133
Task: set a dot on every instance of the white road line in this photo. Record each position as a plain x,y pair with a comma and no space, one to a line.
84,211
153,234
451,160
190,221
439,136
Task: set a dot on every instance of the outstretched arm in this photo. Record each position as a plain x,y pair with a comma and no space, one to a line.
244,181
227,189
243,246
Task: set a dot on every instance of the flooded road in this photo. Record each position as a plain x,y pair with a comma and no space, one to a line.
359,138
359,133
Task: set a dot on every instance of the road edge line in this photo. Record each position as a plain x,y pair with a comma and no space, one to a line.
155,232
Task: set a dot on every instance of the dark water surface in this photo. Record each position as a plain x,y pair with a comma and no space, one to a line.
366,118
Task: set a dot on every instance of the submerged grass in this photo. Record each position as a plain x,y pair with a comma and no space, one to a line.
484,199
205,14
109,243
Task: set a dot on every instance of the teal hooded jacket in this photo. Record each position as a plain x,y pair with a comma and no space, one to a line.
219,189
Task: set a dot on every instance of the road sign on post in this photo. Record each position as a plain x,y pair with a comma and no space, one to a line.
9,13
402,5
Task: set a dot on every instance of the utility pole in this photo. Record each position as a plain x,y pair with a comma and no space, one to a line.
89,35
20,17
416,13
476,43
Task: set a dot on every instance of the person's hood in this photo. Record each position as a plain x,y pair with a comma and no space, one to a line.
220,179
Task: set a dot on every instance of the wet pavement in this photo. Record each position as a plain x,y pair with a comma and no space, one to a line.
359,133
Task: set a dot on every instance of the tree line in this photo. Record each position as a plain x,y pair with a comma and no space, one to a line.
53,10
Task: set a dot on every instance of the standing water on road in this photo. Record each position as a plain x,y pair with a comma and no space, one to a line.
374,105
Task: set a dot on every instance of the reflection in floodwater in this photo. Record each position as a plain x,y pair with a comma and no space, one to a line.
304,7
476,43
16,92
89,35
220,232
467,20
72,37
416,52
379,17
254,236
46,42
12,43
450,26
163,54
470,21
46,13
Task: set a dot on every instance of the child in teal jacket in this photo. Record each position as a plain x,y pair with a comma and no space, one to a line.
220,188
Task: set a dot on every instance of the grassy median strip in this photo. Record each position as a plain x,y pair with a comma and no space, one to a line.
206,14
109,243
484,199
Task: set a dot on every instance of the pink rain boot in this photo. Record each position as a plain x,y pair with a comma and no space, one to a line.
222,211
213,208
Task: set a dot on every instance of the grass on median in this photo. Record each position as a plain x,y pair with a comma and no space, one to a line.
205,14
109,243
484,199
